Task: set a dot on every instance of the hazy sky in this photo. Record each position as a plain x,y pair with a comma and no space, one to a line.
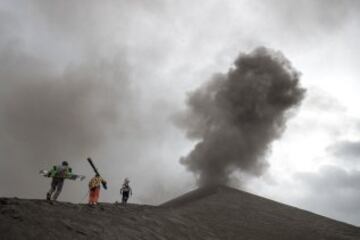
106,79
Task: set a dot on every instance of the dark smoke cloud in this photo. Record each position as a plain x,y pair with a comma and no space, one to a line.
53,114
73,79
237,115
47,116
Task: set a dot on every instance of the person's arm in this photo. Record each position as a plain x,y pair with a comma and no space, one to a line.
103,181
68,173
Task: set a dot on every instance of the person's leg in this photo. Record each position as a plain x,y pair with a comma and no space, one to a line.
59,187
52,189
91,196
96,195
125,197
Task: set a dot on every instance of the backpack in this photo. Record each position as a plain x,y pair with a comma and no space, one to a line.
95,182
60,171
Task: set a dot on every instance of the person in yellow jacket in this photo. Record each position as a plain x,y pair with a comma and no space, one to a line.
94,189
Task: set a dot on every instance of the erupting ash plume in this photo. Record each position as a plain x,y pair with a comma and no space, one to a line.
237,115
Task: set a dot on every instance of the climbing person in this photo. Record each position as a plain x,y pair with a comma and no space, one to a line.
58,175
125,191
94,189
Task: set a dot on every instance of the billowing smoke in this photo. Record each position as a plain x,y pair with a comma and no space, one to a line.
236,116
48,116
57,115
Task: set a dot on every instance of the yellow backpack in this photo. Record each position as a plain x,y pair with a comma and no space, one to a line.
95,182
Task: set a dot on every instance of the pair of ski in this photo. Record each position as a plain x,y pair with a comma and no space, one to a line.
45,173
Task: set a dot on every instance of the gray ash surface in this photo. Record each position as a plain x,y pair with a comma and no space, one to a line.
207,213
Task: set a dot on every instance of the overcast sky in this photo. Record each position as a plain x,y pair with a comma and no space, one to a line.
106,78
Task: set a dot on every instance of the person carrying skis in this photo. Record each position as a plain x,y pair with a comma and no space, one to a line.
126,191
58,175
94,189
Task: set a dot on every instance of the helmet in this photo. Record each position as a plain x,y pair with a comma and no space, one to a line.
65,163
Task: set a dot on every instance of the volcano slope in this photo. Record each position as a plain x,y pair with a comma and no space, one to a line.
207,213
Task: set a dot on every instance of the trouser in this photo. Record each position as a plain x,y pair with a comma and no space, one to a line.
56,186
125,196
94,195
